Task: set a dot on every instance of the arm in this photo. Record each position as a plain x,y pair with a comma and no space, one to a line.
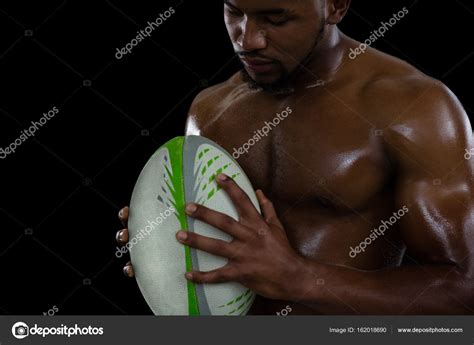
435,182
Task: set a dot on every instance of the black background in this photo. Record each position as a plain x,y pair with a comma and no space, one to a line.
61,191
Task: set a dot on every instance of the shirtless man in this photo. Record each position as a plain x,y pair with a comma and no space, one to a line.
366,138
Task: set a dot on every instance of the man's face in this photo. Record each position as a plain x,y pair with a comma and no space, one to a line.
274,37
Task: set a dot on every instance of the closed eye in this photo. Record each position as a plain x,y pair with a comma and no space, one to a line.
277,22
278,19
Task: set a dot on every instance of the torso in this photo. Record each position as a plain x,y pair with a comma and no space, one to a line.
324,166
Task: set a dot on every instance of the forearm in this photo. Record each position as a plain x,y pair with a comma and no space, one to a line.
427,289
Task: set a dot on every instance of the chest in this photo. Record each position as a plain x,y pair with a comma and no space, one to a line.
316,150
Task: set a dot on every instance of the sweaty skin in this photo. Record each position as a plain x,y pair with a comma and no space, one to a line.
377,137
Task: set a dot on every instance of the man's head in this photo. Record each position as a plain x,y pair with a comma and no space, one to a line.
275,37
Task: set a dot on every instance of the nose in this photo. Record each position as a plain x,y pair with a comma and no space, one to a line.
251,37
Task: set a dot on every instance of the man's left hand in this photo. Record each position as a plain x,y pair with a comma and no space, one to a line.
260,256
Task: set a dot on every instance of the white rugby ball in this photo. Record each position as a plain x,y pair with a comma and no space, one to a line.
181,171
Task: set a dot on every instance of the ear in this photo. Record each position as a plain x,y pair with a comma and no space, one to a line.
337,9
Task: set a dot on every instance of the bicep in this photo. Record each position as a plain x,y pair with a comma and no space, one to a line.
434,181
439,224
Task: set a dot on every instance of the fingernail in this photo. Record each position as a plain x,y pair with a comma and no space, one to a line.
121,213
182,235
190,208
120,235
188,275
222,177
126,271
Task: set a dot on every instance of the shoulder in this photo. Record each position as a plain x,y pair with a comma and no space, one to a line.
421,119
211,95
425,111
207,103
398,96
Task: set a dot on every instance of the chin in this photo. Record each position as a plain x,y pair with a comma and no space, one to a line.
272,85
261,79
264,79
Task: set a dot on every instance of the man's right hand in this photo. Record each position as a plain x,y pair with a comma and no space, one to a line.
122,239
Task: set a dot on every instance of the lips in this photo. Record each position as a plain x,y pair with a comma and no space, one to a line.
258,65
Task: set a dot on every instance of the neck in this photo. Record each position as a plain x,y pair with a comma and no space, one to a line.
324,60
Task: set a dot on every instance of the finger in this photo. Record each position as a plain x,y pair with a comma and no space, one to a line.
123,215
122,237
216,219
207,244
239,198
128,270
220,275
268,210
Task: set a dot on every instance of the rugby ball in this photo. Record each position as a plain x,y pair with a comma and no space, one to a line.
183,170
